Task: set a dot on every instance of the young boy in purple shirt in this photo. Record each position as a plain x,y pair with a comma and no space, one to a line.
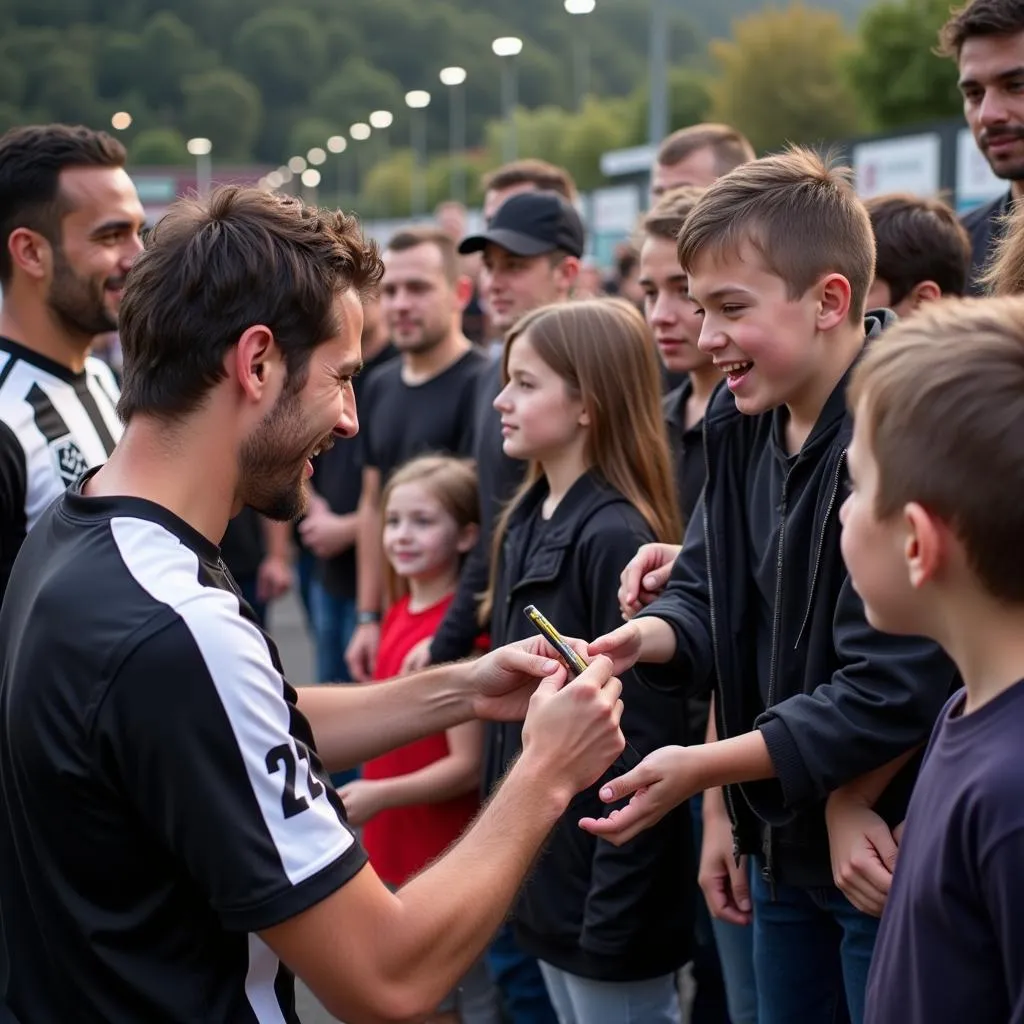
932,537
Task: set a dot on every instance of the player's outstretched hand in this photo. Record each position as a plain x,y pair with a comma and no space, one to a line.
645,576
622,646
662,780
571,734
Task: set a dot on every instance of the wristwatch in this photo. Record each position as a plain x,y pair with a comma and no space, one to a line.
367,618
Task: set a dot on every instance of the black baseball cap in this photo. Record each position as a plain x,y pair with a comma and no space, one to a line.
530,224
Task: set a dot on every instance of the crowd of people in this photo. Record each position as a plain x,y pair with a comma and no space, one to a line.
764,482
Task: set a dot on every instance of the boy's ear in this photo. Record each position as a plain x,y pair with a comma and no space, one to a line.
468,536
924,291
834,297
926,547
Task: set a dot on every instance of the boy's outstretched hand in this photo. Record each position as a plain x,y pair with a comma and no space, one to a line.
661,781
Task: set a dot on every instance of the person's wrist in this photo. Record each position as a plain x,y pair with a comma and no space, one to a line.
366,617
551,791
714,808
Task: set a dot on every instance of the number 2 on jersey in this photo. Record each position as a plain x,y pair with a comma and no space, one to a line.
291,802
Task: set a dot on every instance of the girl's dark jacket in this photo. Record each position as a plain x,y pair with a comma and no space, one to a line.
844,699
589,908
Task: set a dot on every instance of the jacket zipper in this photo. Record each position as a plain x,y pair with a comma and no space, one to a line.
821,545
714,642
767,872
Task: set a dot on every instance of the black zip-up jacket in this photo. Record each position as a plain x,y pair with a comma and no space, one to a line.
985,225
843,699
590,908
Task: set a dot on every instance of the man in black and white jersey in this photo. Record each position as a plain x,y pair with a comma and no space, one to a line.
168,832
70,221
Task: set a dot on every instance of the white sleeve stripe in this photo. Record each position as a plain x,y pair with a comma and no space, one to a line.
249,689
259,982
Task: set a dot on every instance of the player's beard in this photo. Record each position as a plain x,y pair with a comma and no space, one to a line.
78,301
272,463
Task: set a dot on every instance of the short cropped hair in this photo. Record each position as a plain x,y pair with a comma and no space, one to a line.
730,147
428,234
666,217
799,213
31,160
918,239
980,18
543,176
213,268
941,395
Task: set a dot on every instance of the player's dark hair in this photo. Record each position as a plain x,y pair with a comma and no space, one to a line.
213,268
31,160
980,18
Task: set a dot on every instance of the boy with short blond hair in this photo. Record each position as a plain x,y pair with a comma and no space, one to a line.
931,534
779,255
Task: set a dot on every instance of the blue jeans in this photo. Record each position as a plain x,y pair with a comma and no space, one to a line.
812,951
333,620
586,1001
518,977
723,957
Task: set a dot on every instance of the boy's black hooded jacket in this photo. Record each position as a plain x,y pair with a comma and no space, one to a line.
591,908
843,699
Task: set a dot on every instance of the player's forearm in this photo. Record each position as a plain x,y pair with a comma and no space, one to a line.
354,722
435,783
449,912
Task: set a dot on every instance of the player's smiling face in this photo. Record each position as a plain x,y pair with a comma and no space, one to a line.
276,459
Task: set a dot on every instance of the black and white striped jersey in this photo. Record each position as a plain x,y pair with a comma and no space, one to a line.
161,800
54,424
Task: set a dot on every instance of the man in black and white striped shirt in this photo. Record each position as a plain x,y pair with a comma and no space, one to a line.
70,222
171,845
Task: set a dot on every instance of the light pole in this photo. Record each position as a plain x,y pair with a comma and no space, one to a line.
380,120
310,180
201,149
358,132
657,110
338,144
454,78
417,101
509,47
581,49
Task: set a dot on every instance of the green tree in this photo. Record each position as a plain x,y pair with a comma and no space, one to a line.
894,70
158,146
67,90
169,52
782,78
283,51
354,90
12,83
224,107
119,64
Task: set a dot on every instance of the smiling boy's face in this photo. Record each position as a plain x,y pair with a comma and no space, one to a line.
762,340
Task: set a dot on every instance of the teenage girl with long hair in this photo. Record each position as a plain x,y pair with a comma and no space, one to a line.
581,404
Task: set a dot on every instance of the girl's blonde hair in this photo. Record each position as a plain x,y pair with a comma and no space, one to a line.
452,481
1004,272
602,349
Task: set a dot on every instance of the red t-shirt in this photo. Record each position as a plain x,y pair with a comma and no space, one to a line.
403,840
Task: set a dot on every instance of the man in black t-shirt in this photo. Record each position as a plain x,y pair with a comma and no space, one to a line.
422,402
169,838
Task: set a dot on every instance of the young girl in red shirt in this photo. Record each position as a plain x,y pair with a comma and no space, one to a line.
417,800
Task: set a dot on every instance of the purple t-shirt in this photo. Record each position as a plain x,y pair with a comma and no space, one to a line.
951,945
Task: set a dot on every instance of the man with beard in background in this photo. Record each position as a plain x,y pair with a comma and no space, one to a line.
70,220
986,39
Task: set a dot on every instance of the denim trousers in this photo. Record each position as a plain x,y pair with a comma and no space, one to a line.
812,951
587,1001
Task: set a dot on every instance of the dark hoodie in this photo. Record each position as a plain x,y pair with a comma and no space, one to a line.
833,698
